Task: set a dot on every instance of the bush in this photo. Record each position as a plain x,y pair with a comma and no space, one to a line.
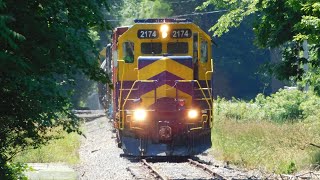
283,106
12,171
238,110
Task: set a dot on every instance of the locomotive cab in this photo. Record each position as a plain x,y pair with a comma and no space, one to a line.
162,96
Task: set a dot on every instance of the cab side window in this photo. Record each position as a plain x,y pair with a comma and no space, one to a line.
128,52
204,51
195,47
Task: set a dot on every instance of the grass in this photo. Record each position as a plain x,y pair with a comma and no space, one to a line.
60,150
275,147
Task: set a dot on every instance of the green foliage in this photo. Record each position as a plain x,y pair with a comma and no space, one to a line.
65,149
283,106
238,10
279,24
291,168
135,9
43,46
14,171
80,89
237,110
258,142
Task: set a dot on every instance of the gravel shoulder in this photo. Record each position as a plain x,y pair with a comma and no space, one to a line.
99,155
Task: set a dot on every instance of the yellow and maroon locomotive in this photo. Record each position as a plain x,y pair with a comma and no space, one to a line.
162,96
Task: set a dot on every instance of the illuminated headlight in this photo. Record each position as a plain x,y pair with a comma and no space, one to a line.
164,35
192,114
140,115
164,30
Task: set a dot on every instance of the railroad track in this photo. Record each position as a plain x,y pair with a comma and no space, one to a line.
160,173
206,169
154,170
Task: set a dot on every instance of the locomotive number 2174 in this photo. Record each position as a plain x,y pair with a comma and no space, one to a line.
147,34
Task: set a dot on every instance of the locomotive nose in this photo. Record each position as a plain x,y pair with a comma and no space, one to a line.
166,71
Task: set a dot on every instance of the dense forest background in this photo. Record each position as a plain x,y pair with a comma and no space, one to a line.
237,60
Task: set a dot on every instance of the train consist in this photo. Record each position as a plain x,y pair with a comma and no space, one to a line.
161,102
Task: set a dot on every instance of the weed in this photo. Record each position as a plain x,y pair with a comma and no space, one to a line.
271,132
60,150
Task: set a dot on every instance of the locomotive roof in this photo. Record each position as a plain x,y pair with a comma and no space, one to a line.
165,20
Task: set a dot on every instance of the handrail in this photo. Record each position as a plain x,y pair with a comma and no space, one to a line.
128,95
120,95
210,108
199,87
210,94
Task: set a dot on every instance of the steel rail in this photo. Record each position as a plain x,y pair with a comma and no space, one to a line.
206,169
154,171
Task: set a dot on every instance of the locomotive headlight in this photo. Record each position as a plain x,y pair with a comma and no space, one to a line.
164,30
164,35
140,114
192,114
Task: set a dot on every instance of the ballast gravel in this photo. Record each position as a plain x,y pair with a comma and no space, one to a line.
99,154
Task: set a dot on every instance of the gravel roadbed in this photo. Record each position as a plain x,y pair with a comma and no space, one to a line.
181,171
99,154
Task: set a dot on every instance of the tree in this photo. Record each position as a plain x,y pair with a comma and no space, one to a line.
43,46
283,24
135,9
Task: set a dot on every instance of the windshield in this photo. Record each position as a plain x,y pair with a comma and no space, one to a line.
177,47
151,48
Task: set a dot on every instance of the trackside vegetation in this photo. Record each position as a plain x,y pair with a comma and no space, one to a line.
65,149
277,133
43,46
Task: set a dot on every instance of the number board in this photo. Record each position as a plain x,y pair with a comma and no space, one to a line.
181,33
148,34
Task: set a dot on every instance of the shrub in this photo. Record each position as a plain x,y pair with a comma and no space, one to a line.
283,106
12,171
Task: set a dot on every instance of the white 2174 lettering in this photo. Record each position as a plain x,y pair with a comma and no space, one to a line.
148,34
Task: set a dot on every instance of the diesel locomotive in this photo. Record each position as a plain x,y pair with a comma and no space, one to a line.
161,102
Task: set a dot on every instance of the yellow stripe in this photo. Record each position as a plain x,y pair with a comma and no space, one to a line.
165,64
164,91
